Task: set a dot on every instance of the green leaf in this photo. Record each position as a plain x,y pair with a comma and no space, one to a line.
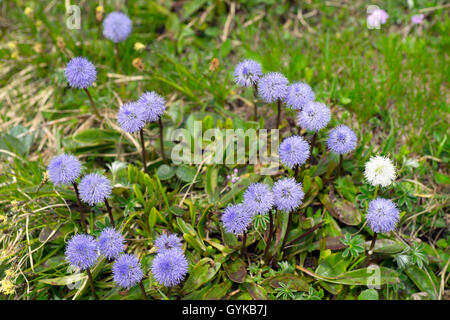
236,270
426,283
441,178
211,184
257,292
186,174
342,209
202,272
96,135
332,266
63,281
164,172
293,281
218,291
368,294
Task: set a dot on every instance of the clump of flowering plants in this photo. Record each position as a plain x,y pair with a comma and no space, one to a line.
262,166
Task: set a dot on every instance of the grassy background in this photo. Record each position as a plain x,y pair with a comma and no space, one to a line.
390,85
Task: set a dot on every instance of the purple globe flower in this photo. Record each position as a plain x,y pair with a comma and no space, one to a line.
170,267
247,73
236,219
258,199
294,151
131,117
273,86
167,242
111,243
117,27
153,105
94,188
288,194
80,73
298,95
314,116
127,271
382,215
82,251
64,169
341,140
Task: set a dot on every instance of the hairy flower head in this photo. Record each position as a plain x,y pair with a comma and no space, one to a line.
298,95
379,171
236,219
127,271
64,169
153,106
273,86
341,140
167,241
111,243
170,267
131,117
294,151
95,188
314,116
382,215
247,73
117,26
80,73
258,199
288,194
82,251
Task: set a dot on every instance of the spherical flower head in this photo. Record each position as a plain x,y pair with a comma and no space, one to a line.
382,215
117,26
273,86
131,117
314,116
247,73
298,95
288,194
379,171
167,242
376,18
417,19
236,219
64,169
95,188
153,105
342,140
293,151
111,243
82,251
258,199
80,73
170,267
127,271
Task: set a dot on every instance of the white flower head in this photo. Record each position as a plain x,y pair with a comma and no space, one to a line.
380,171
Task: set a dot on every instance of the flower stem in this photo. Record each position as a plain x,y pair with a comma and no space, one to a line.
269,239
161,138
375,193
296,172
116,52
288,228
82,216
97,114
141,285
108,207
255,95
144,160
313,142
244,240
372,245
278,112
91,282
340,165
